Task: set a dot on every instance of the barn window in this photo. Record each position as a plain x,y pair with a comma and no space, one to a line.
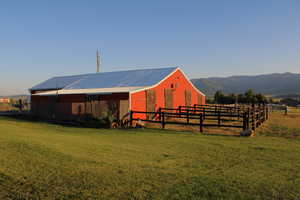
172,86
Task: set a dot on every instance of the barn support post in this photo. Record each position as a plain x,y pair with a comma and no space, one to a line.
131,118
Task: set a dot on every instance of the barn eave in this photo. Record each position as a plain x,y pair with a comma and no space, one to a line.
89,91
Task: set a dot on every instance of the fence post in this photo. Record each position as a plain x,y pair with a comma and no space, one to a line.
131,117
179,111
159,115
257,121
187,117
203,113
263,114
248,118
219,118
244,121
201,123
253,119
267,113
163,120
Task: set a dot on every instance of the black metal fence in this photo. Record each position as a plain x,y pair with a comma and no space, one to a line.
242,117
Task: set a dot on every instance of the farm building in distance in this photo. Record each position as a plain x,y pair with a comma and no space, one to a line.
71,97
4,100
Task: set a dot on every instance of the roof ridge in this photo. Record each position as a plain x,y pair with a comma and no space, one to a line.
83,76
130,70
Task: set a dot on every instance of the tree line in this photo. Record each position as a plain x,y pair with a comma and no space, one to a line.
249,97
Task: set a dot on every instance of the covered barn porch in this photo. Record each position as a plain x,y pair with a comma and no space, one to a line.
79,104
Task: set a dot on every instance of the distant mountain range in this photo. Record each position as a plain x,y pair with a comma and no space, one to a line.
269,84
279,85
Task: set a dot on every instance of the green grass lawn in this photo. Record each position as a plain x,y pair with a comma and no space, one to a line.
44,161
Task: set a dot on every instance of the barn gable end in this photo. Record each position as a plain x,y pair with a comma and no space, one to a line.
170,92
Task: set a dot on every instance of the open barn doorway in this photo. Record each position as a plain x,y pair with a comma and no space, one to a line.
123,108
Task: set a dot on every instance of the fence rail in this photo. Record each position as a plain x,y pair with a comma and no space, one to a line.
243,117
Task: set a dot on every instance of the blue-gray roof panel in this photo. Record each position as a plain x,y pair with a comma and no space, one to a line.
57,82
132,78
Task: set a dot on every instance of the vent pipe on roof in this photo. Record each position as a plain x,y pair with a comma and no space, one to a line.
98,62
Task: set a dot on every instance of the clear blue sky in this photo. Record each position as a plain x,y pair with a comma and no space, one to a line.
40,39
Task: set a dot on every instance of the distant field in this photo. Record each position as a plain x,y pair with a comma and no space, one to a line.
44,161
281,125
7,107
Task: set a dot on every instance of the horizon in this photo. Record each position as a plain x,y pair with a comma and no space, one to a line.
43,39
27,94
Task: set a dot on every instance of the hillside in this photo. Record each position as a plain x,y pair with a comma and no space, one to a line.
46,161
271,84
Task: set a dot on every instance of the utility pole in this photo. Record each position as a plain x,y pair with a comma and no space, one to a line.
98,62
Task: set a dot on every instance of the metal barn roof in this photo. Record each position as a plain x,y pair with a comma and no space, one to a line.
57,82
131,78
89,91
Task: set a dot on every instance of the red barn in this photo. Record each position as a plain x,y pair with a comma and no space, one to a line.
70,97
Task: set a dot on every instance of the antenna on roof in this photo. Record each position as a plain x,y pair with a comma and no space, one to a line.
98,62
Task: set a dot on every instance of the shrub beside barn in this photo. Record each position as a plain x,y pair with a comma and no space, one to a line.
73,97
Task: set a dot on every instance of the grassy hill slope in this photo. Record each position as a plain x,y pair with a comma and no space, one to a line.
43,161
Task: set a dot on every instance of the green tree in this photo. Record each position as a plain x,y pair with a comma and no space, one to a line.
218,96
249,95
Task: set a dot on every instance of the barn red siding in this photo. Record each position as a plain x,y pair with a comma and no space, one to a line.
67,107
178,83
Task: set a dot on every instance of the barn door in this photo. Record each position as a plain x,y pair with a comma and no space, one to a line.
200,102
188,98
169,101
151,102
123,108
96,108
92,106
